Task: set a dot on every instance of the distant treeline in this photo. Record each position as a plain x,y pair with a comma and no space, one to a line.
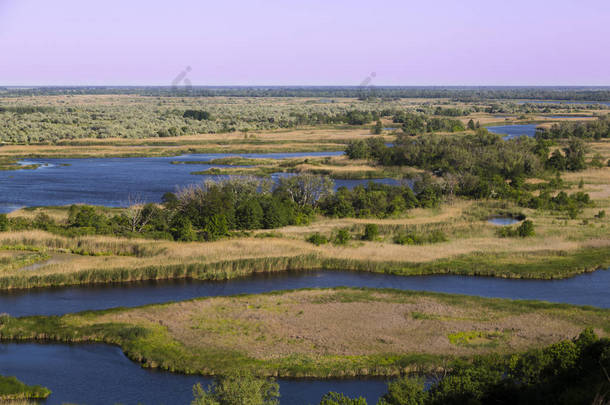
461,93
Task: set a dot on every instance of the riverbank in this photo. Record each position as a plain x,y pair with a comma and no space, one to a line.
317,333
471,245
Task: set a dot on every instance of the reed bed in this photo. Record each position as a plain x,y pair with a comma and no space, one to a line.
549,265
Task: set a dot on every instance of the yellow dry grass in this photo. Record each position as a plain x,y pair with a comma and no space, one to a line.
352,323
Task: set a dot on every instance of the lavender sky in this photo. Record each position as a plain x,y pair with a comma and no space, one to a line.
313,42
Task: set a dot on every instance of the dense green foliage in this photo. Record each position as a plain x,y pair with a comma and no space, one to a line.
336,398
524,230
573,372
11,388
215,209
597,129
377,200
240,387
482,165
413,124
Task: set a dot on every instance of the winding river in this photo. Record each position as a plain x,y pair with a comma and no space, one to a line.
101,374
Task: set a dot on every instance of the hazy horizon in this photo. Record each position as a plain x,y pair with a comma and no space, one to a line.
271,43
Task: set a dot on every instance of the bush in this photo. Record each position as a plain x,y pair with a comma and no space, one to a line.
317,239
342,236
526,229
336,398
412,238
405,391
239,387
403,238
371,232
3,223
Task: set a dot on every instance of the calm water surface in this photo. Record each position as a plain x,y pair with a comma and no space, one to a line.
98,374
110,181
584,289
513,131
503,221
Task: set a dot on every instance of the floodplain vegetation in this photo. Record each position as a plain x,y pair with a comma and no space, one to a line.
317,333
451,177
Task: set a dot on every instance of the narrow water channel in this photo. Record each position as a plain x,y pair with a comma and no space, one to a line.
585,289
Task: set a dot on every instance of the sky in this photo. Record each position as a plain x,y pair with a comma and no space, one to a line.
298,42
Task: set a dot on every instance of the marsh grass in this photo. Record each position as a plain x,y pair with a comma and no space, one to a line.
315,333
13,391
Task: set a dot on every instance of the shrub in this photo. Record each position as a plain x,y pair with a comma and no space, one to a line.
239,387
371,232
524,230
403,238
342,236
601,214
405,391
336,398
317,239
3,223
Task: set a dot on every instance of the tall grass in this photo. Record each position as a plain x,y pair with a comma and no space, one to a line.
84,245
533,265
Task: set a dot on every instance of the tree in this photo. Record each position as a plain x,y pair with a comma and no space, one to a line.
575,154
137,217
216,228
306,189
237,388
471,125
357,150
170,200
3,223
378,128
405,391
249,214
182,229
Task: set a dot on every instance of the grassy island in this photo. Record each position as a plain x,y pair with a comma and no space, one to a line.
317,333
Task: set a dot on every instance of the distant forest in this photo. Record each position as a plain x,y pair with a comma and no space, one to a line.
457,93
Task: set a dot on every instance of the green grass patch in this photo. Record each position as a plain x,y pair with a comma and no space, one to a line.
477,338
13,389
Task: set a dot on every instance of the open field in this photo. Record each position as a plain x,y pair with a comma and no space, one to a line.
321,333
